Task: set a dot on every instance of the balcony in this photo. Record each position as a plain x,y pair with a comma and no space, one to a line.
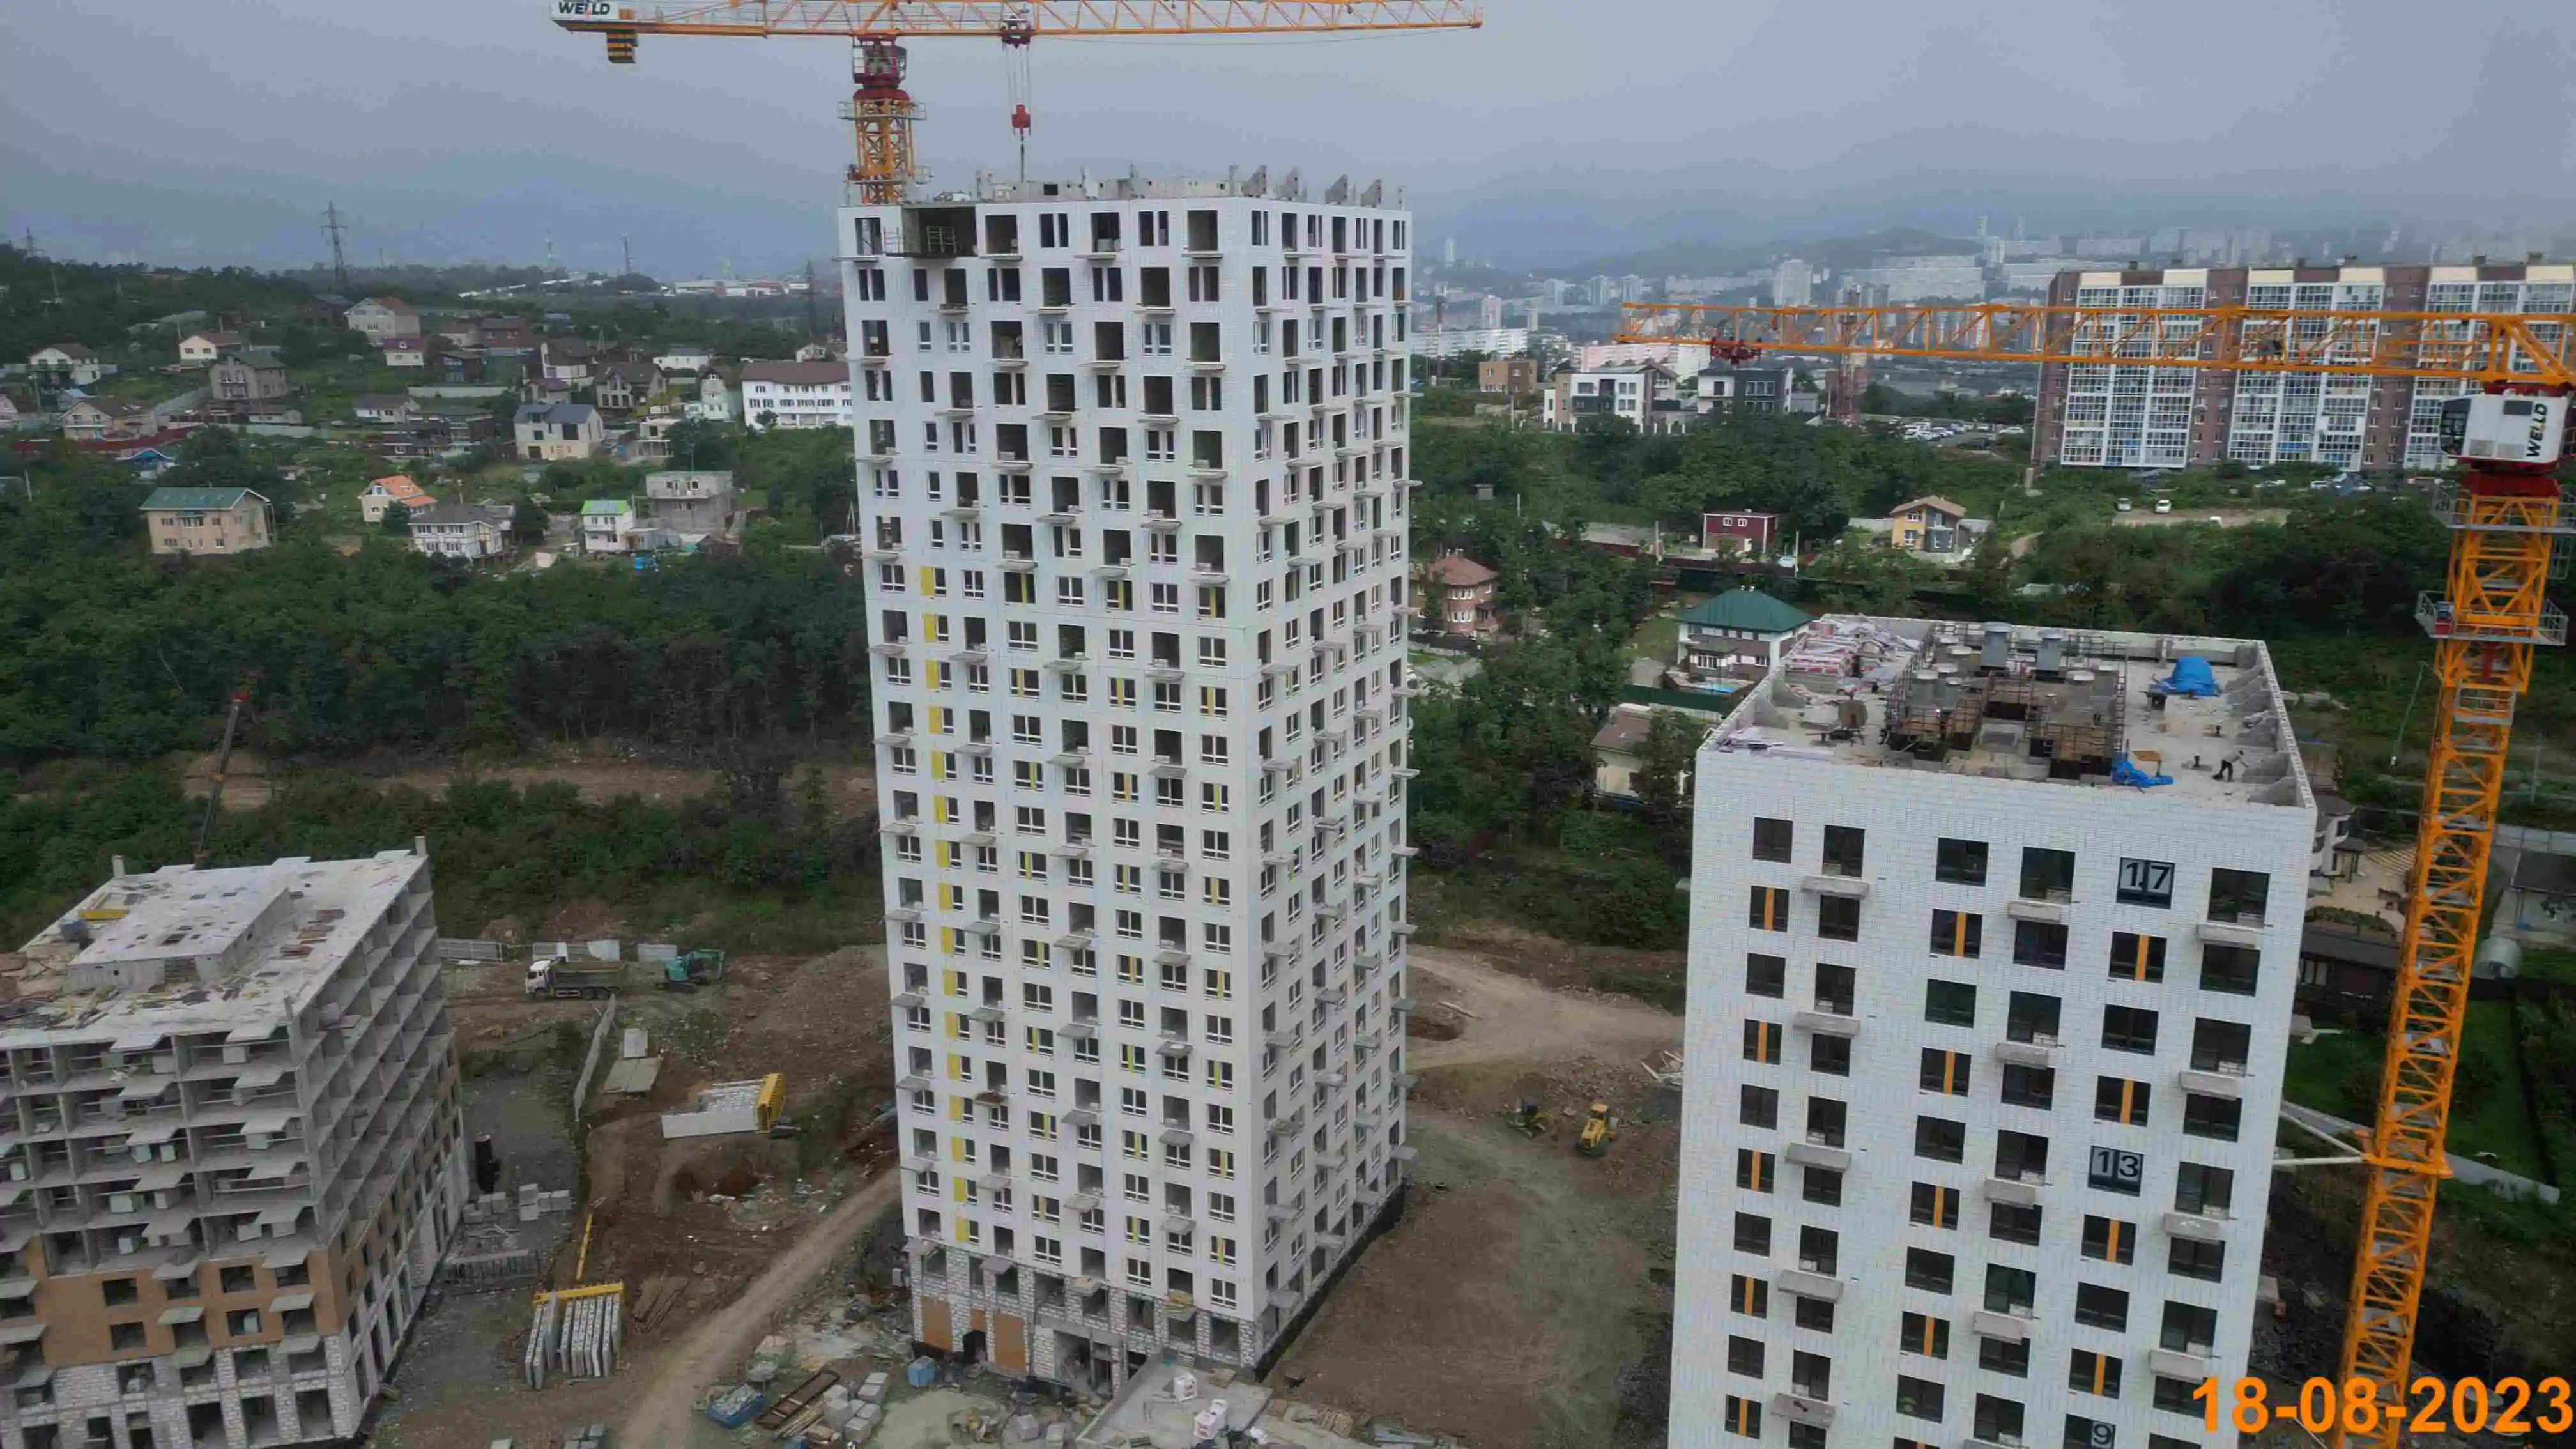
2051,912
1819,1154
1818,1286
1797,1408
2015,1191
2009,1327
1826,1023
2180,1364
2039,1051
2196,1227
2225,1081
2239,932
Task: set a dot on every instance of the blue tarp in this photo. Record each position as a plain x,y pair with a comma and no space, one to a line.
2190,677
2124,773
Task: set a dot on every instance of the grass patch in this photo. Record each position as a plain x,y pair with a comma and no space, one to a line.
1656,988
1659,634
2339,1073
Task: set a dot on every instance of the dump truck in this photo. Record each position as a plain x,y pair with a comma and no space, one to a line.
559,978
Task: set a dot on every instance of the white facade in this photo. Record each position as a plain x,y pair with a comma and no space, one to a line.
1627,391
1793,283
1442,342
1682,359
796,395
2308,417
2541,289
1977,1138
1132,464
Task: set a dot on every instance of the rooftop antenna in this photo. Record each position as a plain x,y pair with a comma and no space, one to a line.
627,245
813,327
332,228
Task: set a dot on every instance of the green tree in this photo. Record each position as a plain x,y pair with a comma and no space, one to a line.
397,520
1663,777
528,522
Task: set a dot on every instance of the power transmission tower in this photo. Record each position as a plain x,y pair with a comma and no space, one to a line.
332,228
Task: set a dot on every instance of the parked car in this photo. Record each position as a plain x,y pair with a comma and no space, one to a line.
2164,505
2125,506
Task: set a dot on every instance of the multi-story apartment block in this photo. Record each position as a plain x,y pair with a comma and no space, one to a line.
1133,477
1985,1037
797,395
229,1154
2117,416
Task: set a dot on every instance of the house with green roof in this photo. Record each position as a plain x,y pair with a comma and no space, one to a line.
208,521
608,525
1738,634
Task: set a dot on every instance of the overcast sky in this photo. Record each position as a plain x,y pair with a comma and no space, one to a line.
454,130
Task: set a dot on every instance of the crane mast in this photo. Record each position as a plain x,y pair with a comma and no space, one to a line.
2505,512
882,115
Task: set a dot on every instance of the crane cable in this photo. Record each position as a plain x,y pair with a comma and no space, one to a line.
1019,27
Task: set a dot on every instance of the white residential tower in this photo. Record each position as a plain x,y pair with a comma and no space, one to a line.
1133,479
1985,1046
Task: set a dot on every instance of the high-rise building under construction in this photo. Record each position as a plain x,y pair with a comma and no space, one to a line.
1133,474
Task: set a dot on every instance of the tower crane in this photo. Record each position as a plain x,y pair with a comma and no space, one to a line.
882,115
2505,511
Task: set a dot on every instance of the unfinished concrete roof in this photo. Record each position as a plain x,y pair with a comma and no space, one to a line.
2012,702
183,950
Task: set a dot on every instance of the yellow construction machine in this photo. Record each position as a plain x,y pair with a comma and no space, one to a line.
1597,1133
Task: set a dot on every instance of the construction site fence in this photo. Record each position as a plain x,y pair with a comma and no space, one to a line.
599,1034
467,948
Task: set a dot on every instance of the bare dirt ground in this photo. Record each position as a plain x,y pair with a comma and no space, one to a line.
2223,517
715,1347
1523,1276
1572,970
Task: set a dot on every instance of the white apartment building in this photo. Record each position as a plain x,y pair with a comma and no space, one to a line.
796,395
1628,391
1985,1048
232,1154
1133,475
1793,283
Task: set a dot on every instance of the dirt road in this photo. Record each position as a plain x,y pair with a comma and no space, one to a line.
1513,1017
675,1377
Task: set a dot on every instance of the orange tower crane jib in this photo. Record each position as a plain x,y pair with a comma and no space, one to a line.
2505,521
882,116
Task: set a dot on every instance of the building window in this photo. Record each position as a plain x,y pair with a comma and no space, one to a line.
1940,1139
2101,1307
2205,1261
1772,839
1957,933
1743,1417
2128,1029
1918,1398
1769,910
1838,918
2218,1118
1921,1333
1945,1072
1960,862
1759,1107
1744,1356
1762,1042
2110,1240
1822,1186
1830,1055
2047,875
1998,1421
1749,1296
1950,1003
2039,943
2015,1223
1844,849
1930,1271
1766,975
2137,958
2174,1396
2117,1099
2004,1356
2238,896
1753,1170
2230,969
2029,1087
1753,1234
1935,1205
2189,1328
1814,1314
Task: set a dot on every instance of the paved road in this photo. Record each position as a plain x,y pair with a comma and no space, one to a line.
716,1349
